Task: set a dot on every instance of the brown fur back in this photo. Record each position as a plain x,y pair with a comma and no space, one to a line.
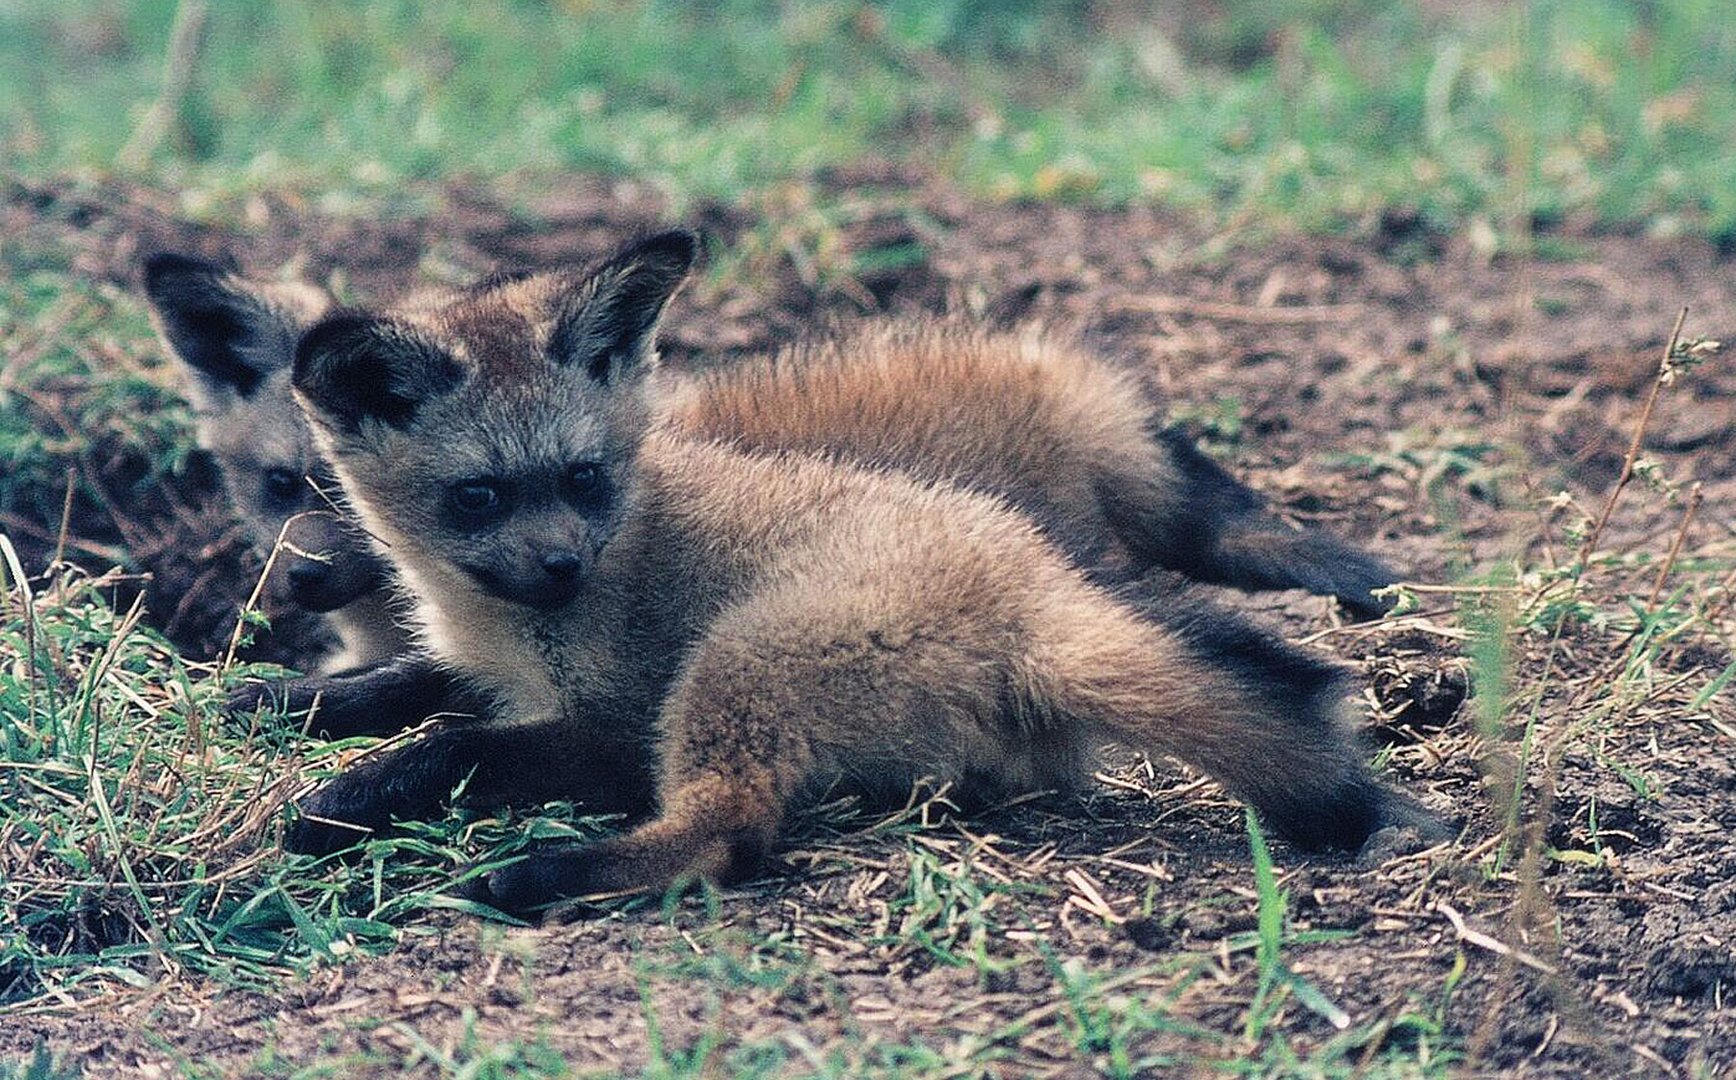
1028,416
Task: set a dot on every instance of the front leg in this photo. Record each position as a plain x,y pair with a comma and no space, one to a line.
382,698
735,750
528,763
712,835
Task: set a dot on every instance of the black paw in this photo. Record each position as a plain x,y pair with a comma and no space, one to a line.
1327,566
381,699
1351,817
307,836
1356,594
330,707
244,702
327,706
339,815
548,875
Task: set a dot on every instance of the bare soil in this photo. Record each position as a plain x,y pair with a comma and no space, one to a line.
1358,367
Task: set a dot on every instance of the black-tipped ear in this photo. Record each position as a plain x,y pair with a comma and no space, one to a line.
354,367
216,324
611,317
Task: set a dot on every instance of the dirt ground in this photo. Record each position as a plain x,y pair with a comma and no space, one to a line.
1406,350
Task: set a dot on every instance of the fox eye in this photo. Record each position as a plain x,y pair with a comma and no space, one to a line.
585,481
478,502
282,486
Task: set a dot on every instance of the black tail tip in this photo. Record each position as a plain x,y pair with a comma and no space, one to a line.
1255,556
1355,577
1407,827
1362,816
1341,820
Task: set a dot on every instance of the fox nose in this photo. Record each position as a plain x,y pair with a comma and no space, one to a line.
562,565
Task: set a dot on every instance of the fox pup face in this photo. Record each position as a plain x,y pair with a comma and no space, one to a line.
234,340
489,436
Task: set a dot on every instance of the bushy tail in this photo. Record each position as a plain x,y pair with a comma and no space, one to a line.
1263,717
1184,513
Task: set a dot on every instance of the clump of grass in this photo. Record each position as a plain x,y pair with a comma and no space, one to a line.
80,384
1275,976
947,911
41,1066
1331,114
1436,462
137,823
475,1056
129,825
1606,642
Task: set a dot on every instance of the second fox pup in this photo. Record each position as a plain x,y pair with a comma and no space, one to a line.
233,338
1033,418
651,614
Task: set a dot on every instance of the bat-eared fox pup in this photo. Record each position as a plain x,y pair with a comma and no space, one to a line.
674,625
234,339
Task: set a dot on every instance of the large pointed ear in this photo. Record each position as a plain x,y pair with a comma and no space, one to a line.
353,367
608,321
218,325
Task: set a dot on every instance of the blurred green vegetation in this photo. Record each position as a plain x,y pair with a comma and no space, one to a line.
80,385
1312,113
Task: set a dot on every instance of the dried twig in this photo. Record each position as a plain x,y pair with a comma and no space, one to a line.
1695,498
1221,312
1633,452
1492,944
186,39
